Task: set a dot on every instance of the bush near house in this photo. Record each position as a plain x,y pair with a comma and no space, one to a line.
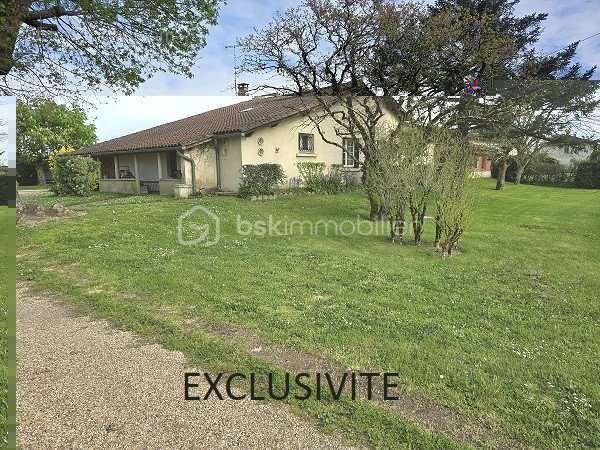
587,174
316,180
260,179
75,175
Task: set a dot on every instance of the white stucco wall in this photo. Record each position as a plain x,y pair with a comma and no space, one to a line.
284,137
204,157
230,159
280,146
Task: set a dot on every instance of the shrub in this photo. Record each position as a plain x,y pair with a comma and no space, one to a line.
260,179
75,175
315,180
54,155
587,174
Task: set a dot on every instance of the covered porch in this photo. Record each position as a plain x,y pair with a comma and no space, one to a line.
151,172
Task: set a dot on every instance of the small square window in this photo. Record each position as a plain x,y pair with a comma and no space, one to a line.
306,143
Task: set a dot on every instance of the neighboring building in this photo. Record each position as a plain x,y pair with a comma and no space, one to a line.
208,150
483,167
566,157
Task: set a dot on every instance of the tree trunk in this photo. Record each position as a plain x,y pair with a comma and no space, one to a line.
399,224
376,211
375,208
438,234
11,16
417,229
41,172
501,177
519,174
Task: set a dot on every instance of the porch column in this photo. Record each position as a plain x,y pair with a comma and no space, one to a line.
116,161
159,166
138,185
135,165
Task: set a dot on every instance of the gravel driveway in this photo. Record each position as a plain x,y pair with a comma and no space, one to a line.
83,384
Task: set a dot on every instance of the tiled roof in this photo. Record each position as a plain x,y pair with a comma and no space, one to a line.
240,117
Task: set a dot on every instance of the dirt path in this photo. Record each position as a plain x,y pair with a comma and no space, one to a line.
83,384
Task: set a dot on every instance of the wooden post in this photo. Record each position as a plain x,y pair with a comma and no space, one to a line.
116,161
137,173
135,165
159,166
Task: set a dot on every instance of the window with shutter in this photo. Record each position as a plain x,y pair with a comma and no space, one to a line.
350,153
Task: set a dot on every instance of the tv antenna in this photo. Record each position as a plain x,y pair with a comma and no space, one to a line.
235,64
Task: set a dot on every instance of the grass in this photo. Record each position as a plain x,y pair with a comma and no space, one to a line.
7,220
47,200
507,333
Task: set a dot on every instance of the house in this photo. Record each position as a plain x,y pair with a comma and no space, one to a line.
206,152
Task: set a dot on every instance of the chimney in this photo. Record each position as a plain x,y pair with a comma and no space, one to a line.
242,89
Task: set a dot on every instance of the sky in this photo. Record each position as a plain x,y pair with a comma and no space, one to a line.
8,130
567,22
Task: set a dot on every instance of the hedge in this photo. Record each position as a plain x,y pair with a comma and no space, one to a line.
75,175
587,174
547,172
260,179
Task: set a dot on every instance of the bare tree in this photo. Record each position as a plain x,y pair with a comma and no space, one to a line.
326,49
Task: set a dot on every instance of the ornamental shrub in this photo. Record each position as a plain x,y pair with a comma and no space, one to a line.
260,179
316,180
311,174
75,175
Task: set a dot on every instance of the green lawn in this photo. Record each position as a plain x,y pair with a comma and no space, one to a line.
507,333
49,199
7,220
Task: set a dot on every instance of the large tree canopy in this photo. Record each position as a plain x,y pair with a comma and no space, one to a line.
44,126
54,47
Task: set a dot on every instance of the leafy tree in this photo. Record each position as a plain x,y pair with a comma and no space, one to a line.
44,126
54,47
529,115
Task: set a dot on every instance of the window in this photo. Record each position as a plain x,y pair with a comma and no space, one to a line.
350,153
306,143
